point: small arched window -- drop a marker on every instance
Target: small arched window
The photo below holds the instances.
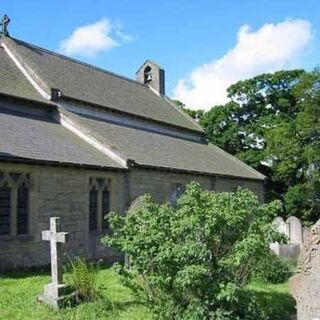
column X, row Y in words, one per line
column 93, row 208
column 5, row 209
column 105, row 208
column 99, row 204
column 23, row 209
column 176, row 194
column 147, row 74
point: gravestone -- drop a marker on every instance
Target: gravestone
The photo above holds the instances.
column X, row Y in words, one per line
column 54, row 292
column 294, row 230
column 291, row 228
column 305, row 285
column 281, row 226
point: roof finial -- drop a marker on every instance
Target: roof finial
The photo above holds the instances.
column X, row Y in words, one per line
column 4, row 23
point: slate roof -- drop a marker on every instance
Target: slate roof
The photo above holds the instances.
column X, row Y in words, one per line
column 42, row 139
column 13, row 82
column 157, row 150
column 90, row 84
column 36, row 138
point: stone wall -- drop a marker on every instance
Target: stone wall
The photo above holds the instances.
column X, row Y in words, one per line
column 231, row 185
column 64, row 192
column 61, row 192
column 161, row 185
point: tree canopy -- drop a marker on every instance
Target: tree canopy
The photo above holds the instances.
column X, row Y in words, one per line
column 272, row 123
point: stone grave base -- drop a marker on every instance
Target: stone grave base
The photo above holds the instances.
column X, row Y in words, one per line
column 57, row 296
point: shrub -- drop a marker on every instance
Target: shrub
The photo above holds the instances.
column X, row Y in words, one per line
column 272, row 269
column 194, row 260
column 82, row 277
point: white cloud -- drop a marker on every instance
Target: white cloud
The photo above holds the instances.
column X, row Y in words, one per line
column 93, row 38
column 270, row 48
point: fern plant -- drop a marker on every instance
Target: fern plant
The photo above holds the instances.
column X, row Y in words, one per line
column 83, row 278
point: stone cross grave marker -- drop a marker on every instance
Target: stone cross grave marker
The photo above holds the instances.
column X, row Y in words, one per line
column 305, row 285
column 54, row 292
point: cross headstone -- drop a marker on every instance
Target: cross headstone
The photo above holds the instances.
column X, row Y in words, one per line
column 54, row 291
column 305, row 285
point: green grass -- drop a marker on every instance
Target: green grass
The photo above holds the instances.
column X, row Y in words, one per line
column 275, row 298
column 19, row 291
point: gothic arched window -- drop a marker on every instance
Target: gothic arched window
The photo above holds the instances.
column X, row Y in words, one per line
column 99, row 204
column 23, row 209
column 176, row 194
column 105, row 207
column 14, row 203
column 147, row 74
column 93, row 208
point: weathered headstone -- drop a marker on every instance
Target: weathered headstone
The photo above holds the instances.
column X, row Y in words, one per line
column 54, row 292
column 281, row 226
column 291, row 228
column 305, row 285
column 294, row 230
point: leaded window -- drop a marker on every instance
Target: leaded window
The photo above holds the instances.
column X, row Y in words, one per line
column 5, row 209
column 93, row 208
column 23, row 209
column 99, row 204
column 14, row 203
column 105, row 207
column 178, row 190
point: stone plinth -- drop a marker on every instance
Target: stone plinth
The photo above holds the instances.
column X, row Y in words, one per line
column 54, row 295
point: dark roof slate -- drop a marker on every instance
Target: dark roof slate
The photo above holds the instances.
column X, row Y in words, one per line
column 93, row 85
column 156, row 150
column 33, row 138
column 13, row 82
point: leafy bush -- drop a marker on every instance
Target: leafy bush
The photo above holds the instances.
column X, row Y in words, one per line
column 82, row 278
column 194, row 261
column 272, row 269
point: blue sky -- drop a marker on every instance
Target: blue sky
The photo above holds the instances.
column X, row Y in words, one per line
column 203, row 45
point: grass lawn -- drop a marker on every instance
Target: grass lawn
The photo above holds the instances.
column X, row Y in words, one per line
column 19, row 291
column 276, row 299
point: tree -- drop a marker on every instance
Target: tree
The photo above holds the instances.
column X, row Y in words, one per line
column 294, row 149
column 193, row 261
column 240, row 127
column 195, row 114
column 256, row 104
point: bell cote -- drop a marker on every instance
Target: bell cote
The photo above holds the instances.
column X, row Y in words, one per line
column 152, row 75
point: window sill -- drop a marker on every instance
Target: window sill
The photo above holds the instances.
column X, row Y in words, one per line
column 17, row 238
column 99, row 233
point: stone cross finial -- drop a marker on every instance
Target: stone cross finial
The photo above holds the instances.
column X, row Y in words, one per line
column 54, row 291
column 4, row 23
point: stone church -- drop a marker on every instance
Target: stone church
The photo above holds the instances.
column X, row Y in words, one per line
column 77, row 142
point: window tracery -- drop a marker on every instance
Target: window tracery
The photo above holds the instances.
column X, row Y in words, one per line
column 99, row 204
column 14, row 203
